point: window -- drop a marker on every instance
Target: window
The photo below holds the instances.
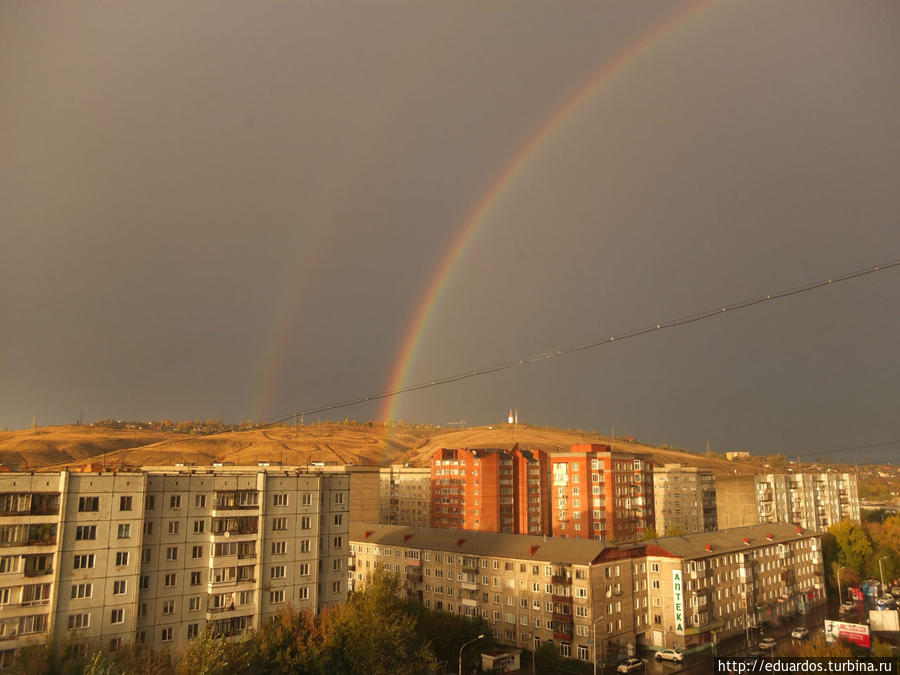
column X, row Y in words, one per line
column 200, row 501
column 151, row 502
column 169, row 580
column 166, row 634
column 307, row 499
column 119, row 587
column 279, row 547
column 117, row 616
column 196, row 552
column 305, row 523
column 124, row 503
column 85, row 532
column 87, row 504
column 175, row 502
column 338, row 519
column 145, row 555
column 337, row 564
column 338, row 542
column 276, row 596
column 144, row 582
column 304, row 546
column 339, row 498
column 78, row 621
column 194, row 604
column 148, row 527
column 303, row 593
column 335, row 586
column 279, row 524
column 277, row 572
column 199, row 526
column 279, row 500
column 173, row 527
column 193, row 630
column 84, row 561
column 196, row 578
column 304, row 569
column 124, row 531
column 172, row 553
column 121, row 558
column 168, row 607
column 82, row 590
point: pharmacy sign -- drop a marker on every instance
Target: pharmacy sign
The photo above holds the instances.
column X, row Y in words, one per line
column 678, row 593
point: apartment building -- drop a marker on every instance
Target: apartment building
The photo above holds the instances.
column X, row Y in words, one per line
column 156, row 555
column 676, row 591
column 404, row 496
column 532, row 589
column 598, row 493
column 814, row 501
column 685, row 499
column 490, row 490
column 707, row 587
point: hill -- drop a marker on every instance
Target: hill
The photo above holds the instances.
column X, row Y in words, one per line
column 369, row 443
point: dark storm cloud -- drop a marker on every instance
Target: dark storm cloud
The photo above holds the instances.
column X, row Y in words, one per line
column 237, row 208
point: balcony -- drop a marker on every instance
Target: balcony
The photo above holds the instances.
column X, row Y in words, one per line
column 565, row 637
column 562, row 599
column 563, row 579
column 565, row 617
column 414, row 577
column 37, row 572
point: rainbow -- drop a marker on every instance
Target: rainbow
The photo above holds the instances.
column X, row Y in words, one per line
column 513, row 168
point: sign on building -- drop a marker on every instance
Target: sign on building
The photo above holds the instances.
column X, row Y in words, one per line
column 678, row 592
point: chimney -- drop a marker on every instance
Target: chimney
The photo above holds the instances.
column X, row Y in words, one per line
column 460, row 542
column 769, row 537
column 747, row 540
column 368, row 533
column 407, row 537
column 532, row 549
column 709, row 547
column 799, row 530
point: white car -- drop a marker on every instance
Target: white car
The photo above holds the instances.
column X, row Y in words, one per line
column 767, row 643
column 630, row 666
column 675, row 655
column 848, row 606
column 800, row 633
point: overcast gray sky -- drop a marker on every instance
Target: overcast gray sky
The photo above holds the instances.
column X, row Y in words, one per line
column 235, row 208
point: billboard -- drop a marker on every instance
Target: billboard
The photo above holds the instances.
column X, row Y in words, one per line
column 851, row 632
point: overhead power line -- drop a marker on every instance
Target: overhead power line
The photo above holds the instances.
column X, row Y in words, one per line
column 599, row 342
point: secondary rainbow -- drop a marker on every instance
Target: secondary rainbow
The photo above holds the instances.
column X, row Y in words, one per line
column 478, row 214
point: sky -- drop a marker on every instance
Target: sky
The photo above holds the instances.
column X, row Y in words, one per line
column 244, row 209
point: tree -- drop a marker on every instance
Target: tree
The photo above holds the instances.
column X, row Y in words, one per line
column 854, row 548
column 649, row 533
column 211, row 654
column 817, row 647
column 376, row 634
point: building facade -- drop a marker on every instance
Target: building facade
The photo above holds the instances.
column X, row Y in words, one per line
column 404, row 496
column 814, row 501
column 597, row 493
column 669, row 592
column 98, row 560
column 490, row 490
column 685, row 499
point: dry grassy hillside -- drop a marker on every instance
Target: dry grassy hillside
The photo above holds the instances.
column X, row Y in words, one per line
column 47, row 446
column 375, row 444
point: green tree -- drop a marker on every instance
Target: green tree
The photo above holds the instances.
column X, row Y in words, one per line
column 211, row 654
column 854, row 548
column 376, row 634
column 649, row 533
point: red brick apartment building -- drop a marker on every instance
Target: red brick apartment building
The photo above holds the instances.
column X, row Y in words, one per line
column 598, row 493
column 490, row 490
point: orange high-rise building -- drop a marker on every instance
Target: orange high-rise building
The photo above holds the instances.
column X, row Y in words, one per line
column 490, row 490
column 599, row 493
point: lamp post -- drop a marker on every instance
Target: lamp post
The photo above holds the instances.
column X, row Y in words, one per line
column 594, row 641
column 466, row 644
column 881, row 572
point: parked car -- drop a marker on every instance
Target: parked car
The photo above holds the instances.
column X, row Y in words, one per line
column 675, row 655
column 800, row 633
column 885, row 602
column 630, row 666
column 848, row 606
column 895, row 591
column 767, row 643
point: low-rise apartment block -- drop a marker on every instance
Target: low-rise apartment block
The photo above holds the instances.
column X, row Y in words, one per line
column 670, row 592
column 685, row 499
column 98, row 560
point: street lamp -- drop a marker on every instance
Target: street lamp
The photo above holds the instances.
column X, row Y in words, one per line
column 594, row 641
column 466, row 644
column 881, row 572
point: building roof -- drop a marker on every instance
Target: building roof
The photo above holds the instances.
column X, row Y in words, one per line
column 693, row 546
column 467, row 542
